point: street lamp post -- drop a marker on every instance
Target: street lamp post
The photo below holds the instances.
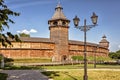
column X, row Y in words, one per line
column 95, row 51
column 85, row 28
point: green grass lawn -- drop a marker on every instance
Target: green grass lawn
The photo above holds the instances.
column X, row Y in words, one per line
column 75, row 72
column 78, row 75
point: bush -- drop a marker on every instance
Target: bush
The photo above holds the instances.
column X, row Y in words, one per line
column 91, row 58
column 3, row 76
column 115, row 55
column 6, row 62
column 32, row 60
column 22, row 67
column 77, row 58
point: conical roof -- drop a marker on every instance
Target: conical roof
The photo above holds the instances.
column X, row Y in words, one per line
column 104, row 39
column 58, row 13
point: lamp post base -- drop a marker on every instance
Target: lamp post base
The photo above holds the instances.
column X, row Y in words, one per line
column 95, row 66
column 85, row 77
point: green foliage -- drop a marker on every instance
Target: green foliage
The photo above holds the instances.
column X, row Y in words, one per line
column 63, row 67
column 8, row 60
column 1, row 56
column 77, row 57
column 91, row 58
column 118, row 54
column 115, row 55
column 98, row 58
column 32, row 60
column 5, row 12
column 5, row 39
column 3, row 76
column 24, row 35
column 22, row 68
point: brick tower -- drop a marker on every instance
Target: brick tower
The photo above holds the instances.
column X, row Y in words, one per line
column 58, row 26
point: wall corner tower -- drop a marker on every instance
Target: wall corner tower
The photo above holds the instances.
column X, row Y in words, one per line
column 58, row 26
column 104, row 42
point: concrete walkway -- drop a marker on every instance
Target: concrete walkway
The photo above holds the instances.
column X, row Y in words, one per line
column 24, row 75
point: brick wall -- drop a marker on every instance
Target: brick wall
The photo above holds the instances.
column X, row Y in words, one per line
column 79, row 50
column 48, row 50
column 28, row 50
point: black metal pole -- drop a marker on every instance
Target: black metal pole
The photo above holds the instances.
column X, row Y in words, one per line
column 85, row 54
column 95, row 58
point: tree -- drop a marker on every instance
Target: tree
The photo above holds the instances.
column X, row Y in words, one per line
column 115, row 55
column 118, row 54
column 5, row 12
column 24, row 35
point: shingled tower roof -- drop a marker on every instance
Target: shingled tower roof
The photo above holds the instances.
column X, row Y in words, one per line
column 104, row 39
column 58, row 13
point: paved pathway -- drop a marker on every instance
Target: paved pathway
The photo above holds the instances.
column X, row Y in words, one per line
column 24, row 75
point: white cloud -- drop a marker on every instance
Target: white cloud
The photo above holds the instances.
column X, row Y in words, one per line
column 119, row 46
column 18, row 31
column 33, row 31
column 27, row 31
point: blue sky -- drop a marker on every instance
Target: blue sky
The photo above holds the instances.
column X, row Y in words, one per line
column 36, row 13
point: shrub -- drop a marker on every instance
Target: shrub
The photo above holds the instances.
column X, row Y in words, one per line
column 3, row 76
column 6, row 62
column 77, row 57
column 91, row 58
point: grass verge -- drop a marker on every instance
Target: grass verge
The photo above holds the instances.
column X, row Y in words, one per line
column 3, row 76
column 81, row 66
column 32, row 60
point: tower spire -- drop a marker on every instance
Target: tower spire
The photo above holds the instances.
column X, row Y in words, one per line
column 58, row 1
column 58, row 14
column 104, row 42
